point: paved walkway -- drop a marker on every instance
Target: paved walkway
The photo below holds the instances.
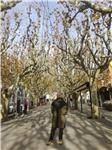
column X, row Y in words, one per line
column 32, row 132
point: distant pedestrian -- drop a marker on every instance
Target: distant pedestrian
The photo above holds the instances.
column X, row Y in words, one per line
column 59, row 110
column 71, row 102
column 25, row 106
column 31, row 104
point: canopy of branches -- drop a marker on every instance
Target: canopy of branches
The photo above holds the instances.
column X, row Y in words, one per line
column 54, row 45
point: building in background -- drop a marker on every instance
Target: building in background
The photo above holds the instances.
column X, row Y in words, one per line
column 104, row 84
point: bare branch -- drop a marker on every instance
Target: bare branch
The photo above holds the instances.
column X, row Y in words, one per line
column 9, row 4
column 96, row 7
column 106, row 44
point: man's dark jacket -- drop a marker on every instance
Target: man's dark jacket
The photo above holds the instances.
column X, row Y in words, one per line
column 59, row 110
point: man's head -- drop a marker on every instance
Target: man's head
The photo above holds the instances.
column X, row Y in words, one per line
column 59, row 95
column 54, row 96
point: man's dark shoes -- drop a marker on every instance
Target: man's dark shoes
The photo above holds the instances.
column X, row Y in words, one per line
column 60, row 142
column 51, row 142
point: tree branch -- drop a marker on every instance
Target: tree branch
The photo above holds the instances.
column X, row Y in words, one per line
column 96, row 7
column 88, row 4
column 9, row 4
column 106, row 44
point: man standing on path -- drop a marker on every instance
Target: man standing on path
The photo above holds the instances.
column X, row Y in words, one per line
column 59, row 110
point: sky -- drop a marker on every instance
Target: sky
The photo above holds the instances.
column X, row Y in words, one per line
column 23, row 7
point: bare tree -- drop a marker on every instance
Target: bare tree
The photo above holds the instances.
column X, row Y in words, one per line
column 28, row 54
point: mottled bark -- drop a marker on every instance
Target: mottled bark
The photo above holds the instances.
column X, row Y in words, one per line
column 4, row 110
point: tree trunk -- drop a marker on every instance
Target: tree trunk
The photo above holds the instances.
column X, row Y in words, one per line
column 4, row 110
column 95, row 101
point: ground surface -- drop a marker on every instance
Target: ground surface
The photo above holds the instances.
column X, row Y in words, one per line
column 32, row 132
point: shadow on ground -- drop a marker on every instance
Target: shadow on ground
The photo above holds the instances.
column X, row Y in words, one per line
column 32, row 132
